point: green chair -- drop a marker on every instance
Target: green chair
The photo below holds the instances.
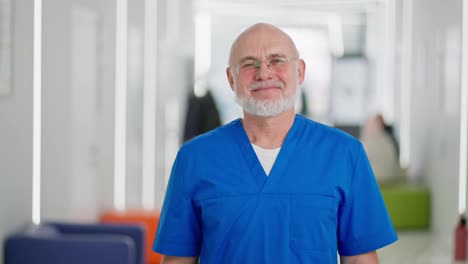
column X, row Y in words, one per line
column 408, row 205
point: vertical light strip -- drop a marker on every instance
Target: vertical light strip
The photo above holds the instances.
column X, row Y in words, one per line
column 120, row 130
column 388, row 73
column 202, row 51
column 149, row 105
column 37, row 115
column 463, row 115
column 406, row 81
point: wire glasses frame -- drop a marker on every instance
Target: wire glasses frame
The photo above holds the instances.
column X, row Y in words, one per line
column 252, row 66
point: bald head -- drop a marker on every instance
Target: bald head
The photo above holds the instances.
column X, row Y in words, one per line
column 262, row 38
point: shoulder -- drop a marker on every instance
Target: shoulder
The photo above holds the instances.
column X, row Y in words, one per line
column 327, row 135
column 210, row 140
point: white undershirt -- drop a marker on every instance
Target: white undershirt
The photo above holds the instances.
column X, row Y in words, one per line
column 267, row 157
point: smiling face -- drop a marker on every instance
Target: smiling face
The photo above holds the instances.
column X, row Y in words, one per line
column 265, row 71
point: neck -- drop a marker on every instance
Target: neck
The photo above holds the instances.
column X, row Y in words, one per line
column 268, row 132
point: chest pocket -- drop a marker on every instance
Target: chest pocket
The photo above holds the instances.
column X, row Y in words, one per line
column 313, row 223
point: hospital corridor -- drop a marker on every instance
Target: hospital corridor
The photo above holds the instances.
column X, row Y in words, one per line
column 97, row 97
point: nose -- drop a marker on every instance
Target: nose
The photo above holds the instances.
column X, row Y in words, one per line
column 264, row 72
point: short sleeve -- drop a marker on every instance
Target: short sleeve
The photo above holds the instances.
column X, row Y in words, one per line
column 178, row 232
column 364, row 223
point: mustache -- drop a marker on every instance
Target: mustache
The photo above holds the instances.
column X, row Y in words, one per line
column 266, row 84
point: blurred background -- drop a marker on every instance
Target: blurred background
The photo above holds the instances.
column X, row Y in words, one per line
column 96, row 97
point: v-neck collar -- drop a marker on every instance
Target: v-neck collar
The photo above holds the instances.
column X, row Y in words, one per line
column 253, row 163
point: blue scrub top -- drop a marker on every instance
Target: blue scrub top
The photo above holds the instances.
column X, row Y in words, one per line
column 320, row 197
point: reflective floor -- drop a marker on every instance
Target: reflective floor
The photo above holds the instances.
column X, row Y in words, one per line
column 418, row 247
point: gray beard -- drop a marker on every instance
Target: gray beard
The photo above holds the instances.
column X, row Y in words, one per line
column 267, row 108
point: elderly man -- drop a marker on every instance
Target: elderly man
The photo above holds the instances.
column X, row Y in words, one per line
column 273, row 187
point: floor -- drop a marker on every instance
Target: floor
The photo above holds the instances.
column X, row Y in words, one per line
column 419, row 247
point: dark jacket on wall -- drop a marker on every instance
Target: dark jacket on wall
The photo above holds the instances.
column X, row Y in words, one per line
column 202, row 115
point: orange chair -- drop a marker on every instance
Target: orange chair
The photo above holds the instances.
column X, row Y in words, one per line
column 148, row 219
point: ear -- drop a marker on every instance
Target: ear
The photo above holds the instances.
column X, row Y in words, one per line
column 230, row 78
column 301, row 70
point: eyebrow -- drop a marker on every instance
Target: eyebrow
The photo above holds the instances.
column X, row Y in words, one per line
column 248, row 58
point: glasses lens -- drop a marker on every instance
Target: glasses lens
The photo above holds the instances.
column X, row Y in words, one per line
column 250, row 67
column 277, row 64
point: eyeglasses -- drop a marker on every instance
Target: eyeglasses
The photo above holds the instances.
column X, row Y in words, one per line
column 252, row 66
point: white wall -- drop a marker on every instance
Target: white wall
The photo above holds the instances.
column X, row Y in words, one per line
column 104, row 151
column 78, row 108
column 80, row 170
column 380, row 53
column 134, row 102
column 16, row 128
column 76, row 73
column 175, row 79
column 435, row 90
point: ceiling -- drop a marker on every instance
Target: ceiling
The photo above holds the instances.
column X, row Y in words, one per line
column 292, row 12
column 288, row 6
column 299, row 13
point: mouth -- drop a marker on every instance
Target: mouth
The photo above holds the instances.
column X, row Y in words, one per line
column 264, row 86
